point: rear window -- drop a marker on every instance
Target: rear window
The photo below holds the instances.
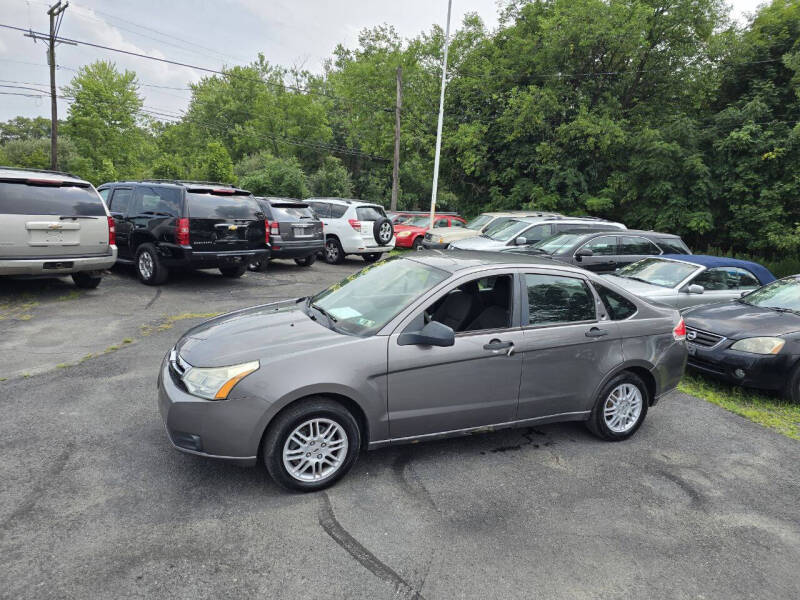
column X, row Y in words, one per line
column 215, row 206
column 65, row 201
column 673, row 246
column 290, row 212
column 370, row 213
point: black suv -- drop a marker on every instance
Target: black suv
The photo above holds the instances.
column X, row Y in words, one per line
column 605, row 251
column 163, row 225
column 294, row 231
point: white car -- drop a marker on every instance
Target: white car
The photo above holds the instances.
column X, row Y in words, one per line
column 353, row 227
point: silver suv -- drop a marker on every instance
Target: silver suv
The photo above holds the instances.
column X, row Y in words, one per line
column 53, row 224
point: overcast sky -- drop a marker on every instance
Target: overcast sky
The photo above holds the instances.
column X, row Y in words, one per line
column 209, row 33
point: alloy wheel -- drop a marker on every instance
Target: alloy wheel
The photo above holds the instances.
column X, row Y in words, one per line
column 315, row 450
column 385, row 233
column 622, row 408
column 332, row 251
column 146, row 265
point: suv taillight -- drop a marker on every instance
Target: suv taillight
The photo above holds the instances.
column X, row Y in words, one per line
column 266, row 231
column 274, row 228
column 182, row 232
column 112, row 232
column 679, row 333
column 355, row 224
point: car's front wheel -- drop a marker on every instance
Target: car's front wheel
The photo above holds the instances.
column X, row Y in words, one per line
column 791, row 390
column 233, row 272
column 311, row 445
column 87, row 280
column 417, row 243
column 306, row 261
column 620, row 409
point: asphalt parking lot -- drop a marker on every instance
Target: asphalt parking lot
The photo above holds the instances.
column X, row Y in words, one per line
column 95, row 503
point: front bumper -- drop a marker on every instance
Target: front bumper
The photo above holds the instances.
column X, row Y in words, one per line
column 55, row 266
column 296, row 249
column 766, row 372
column 431, row 245
column 407, row 241
column 220, row 429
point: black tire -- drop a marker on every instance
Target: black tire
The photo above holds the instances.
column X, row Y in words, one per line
column 597, row 422
column 158, row 273
column 333, row 253
column 383, row 231
column 791, row 390
column 417, row 243
column 294, row 416
column 233, row 272
column 88, row 280
column 306, row 261
column 372, row 257
column 259, row 265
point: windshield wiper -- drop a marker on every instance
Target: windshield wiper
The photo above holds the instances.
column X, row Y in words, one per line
column 780, row 309
column 635, row 278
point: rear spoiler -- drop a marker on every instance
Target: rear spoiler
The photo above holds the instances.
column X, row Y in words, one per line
column 44, row 182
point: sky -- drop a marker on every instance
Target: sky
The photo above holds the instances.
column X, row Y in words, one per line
column 208, row 33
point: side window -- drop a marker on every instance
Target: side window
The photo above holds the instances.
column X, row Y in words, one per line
column 321, row 209
column 747, row 279
column 726, row 278
column 630, row 245
column 155, row 201
column 476, row 305
column 443, row 222
column 618, row 306
column 456, row 223
column 554, row 299
column 121, row 200
column 538, row 233
column 603, row 246
column 104, row 194
column 338, row 210
column 673, row 246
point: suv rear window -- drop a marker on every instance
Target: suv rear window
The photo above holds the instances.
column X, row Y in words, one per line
column 217, row 206
column 66, row 201
column 290, row 212
column 370, row 213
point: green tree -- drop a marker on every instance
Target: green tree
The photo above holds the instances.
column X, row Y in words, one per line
column 216, row 164
column 331, row 180
column 267, row 175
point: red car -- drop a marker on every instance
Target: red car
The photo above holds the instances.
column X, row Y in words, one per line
column 409, row 234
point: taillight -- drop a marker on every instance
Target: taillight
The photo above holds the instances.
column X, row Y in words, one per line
column 266, row 231
column 274, row 228
column 679, row 333
column 355, row 224
column 182, row 233
column 112, row 232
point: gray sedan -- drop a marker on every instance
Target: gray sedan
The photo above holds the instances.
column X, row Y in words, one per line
column 684, row 281
column 434, row 345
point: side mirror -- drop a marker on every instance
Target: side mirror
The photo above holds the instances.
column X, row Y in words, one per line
column 583, row 252
column 433, row 334
column 744, row 293
column 521, row 241
column 695, row 289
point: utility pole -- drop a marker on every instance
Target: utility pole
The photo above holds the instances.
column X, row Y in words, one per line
column 441, row 115
column 396, row 170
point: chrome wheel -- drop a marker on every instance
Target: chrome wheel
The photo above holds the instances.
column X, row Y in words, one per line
column 146, row 265
column 315, row 450
column 622, row 408
column 332, row 251
column 385, row 232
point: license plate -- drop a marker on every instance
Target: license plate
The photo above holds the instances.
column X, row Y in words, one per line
column 303, row 232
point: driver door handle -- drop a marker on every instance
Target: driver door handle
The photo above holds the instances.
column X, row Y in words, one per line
column 596, row 332
column 498, row 345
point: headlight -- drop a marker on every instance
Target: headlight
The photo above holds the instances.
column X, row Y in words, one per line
column 217, row 382
column 760, row 345
column 404, row 234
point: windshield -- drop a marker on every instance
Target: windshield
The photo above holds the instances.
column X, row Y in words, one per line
column 656, row 271
column 562, row 241
column 478, row 222
column 784, row 293
column 509, row 230
column 365, row 301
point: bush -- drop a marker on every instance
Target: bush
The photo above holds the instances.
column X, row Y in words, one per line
column 267, row 175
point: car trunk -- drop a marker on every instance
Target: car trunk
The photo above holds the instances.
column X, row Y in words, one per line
column 43, row 218
column 224, row 220
column 296, row 222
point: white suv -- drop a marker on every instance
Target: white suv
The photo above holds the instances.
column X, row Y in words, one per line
column 54, row 224
column 353, row 227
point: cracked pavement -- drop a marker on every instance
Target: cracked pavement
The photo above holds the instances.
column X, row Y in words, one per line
column 95, row 503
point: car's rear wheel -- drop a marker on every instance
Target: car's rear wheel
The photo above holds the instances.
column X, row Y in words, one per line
column 620, row 409
column 306, row 261
column 233, row 272
column 260, row 265
column 333, row 254
column 149, row 267
column 417, row 243
column 371, row 257
column 87, row 280
column 791, row 390
column 311, row 445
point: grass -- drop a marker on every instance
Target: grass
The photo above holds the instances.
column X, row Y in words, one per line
column 765, row 409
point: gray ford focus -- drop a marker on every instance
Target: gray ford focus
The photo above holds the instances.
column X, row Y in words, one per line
column 435, row 345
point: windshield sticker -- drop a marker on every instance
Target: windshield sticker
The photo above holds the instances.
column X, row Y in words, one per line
column 344, row 312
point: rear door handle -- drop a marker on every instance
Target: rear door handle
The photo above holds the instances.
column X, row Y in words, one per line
column 596, row 332
column 497, row 345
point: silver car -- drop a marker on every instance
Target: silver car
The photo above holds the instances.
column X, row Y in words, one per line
column 433, row 345
column 683, row 281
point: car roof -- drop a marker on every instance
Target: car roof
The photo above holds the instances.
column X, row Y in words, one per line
column 458, row 260
column 569, row 220
column 761, row 272
column 616, row 231
column 178, row 183
column 21, row 174
column 522, row 213
column 345, row 201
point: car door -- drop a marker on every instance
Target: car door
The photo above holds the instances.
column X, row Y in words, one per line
column 118, row 205
column 633, row 248
column 603, row 258
column 473, row 383
column 568, row 345
column 719, row 284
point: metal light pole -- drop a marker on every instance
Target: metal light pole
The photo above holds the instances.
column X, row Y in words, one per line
column 441, row 115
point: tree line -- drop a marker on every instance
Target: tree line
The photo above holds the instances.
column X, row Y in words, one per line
column 664, row 114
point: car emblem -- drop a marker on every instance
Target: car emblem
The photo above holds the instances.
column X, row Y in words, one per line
column 55, row 226
column 691, row 335
column 232, row 227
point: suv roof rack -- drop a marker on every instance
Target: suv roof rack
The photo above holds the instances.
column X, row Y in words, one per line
column 4, row 168
column 186, row 181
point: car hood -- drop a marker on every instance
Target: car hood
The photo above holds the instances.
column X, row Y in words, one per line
column 736, row 320
column 258, row 333
column 639, row 288
column 478, row 243
column 410, row 228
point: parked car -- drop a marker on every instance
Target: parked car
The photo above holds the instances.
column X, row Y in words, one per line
column 410, row 233
column 54, row 224
column 605, row 251
column 414, row 348
column 529, row 230
column 294, row 232
column 751, row 341
column 168, row 225
column 401, row 216
column 353, row 227
column 684, row 281
column 483, row 223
